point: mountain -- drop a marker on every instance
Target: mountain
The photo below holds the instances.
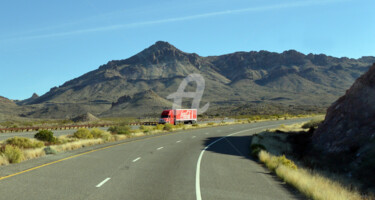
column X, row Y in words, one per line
column 231, row 80
column 348, row 131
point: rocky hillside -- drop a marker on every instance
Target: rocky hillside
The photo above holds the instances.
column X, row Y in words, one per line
column 347, row 135
column 350, row 121
column 237, row 79
column 8, row 109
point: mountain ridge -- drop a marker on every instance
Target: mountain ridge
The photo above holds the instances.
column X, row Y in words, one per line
column 291, row 77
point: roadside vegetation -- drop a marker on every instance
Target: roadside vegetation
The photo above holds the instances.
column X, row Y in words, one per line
column 275, row 149
column 18, row 149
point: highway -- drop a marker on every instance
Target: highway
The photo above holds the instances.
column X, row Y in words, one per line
column 207, row 163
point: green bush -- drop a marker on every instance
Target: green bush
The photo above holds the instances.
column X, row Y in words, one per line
column 125, row 130
column 23, row 142
column 168, row 127
column 97, row 133
column 49, row 150
column 83, row 133
column 159, row 127
column 286, row 162
column 210, row 123
column 195, row 125
column 45, row 135
column 146, row 131
column 142, row 127
column 13, row 154
column 256, row 148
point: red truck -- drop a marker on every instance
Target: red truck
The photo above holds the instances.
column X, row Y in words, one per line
column 179, row 116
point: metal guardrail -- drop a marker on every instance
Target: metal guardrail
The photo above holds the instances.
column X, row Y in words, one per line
column 27, row 129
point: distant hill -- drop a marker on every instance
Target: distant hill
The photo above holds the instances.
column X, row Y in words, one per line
column 8, row 109
column 232, row 80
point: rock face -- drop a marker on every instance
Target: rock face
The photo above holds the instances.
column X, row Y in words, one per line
column 137, row 103
column 349, row 125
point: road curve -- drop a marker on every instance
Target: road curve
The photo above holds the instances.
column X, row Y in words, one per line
column 207, row 163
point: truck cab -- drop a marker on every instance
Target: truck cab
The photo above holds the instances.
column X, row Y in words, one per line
column 167, row 117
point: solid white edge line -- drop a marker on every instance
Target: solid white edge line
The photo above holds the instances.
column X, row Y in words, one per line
column 197, row 174
column 102, row 183
column 135, row 160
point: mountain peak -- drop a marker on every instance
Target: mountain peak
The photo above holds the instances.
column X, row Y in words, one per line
column 35, row 95
column 163, row 44
column 157, row 52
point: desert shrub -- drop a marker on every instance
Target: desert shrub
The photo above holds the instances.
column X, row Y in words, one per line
column 286, row 162
column 83, row 133
column 195, row 125
column 273, row 162
column 282, row 126
column 314, row 123
column 146, row 131
column 97, row 133
column 180, row 125
column 256, row 148
column 210, row 123
column 122, row 130
column 13, row 154
column 168, row 127
column 49, row 150
column 159, row 127
column 45, row 135
column 3, row 159
column 23, row 142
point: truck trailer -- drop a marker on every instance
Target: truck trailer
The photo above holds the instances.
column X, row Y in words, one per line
column 178, row 116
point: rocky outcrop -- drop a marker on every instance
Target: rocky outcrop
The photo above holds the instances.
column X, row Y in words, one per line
column 29, row 100
column 87, row 117
column 350, row 121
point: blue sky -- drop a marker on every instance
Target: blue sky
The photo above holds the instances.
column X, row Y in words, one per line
column 45, row 43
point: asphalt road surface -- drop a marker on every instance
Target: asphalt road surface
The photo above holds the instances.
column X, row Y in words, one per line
column 208, row 163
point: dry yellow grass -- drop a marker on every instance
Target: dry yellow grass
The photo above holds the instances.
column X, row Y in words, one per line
column 310, row 184
column 33, row 153
column 3, row 160
column 119, row 137
column 289, row 128
column 76, row 144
